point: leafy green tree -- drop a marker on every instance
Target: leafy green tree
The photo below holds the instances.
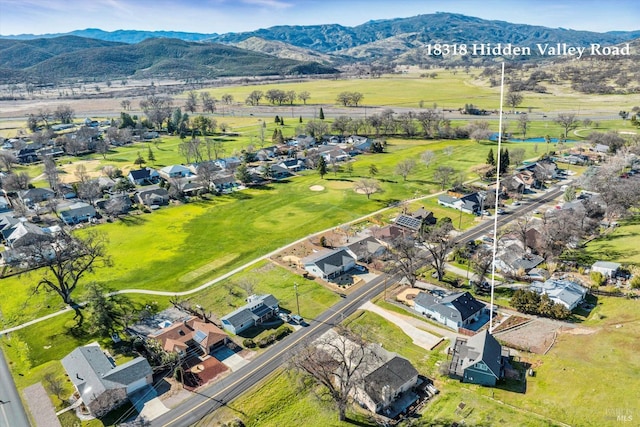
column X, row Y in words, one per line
column 242, row 174
column 322, row 167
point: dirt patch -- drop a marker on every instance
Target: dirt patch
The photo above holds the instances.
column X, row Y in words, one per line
column 316, row 188
column 407, row 296
column 361, row 191
column 579, row 331
column 535, row 336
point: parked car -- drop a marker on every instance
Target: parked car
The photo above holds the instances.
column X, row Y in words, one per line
column 360, row 268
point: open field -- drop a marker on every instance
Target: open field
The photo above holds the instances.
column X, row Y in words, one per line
column 619, row 246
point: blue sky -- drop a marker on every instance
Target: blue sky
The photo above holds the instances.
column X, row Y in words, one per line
column 221, row 16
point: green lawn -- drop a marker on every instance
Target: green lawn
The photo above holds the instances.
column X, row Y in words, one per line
column 620, row 246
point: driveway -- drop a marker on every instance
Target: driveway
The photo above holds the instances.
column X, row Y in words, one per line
column 420, row 338
column 148, row 404
column 229, row 358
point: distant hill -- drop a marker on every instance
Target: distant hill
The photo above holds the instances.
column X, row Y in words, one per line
column 123, row 36
column 433, row 28
column 400, row 40
column 75, row 57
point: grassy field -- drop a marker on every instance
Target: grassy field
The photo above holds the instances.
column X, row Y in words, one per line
column 619, row 246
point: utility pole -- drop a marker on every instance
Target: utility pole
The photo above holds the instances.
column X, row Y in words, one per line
column 295, row 286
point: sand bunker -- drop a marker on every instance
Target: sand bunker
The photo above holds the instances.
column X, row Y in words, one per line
column 316, row 188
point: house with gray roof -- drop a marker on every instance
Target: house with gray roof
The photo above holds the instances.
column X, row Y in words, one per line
column 174, row 171
column 564, row 292
column 36, row 195
column 329, row 264
column 366, row 249
column 101, row 384
column 513, row 258
column 77, row 213
column 479, row 359
column 153, row 196
column 607, row 268
column 143, row 176
column 258, row 309
column 457, row 310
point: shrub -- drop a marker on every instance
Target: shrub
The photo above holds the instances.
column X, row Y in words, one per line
column 597, row 278
column 283, row 331
column 635, row 282
column 248, row 343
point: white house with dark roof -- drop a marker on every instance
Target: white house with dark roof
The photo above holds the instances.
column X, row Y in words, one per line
column 329, row 264
column 102, row 385
column 258, row 309
column 457, row 310
column 143, row 176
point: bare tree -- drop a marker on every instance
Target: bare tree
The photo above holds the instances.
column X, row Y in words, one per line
column 523, row 124
column 513, row 99
column 367, row 186
column 405, row 258
column 443, row 175
column 63, row 260
column 157, row 109
column 521, row 227
column 481, row 263
column 208, row 102
column 304, row 96
column 51, row 172
column 16, row 181
column 405, row 167
column 191, row 103
column 7, row 160
column 427, row 157
column 335, row 362
column 439, row 243
column 567, row 121
column 64, row 113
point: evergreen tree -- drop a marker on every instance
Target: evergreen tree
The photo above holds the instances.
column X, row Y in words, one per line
column 300, row 119
column 150, row 156
column 321, row 116
column 274, row 138
column 139, row 161
column 491, row 160
column 281, row 121
column 504, row 160
column 322, row 167
column 277, row 119
column 373, row 170
column 279, row 137
column 242, row 174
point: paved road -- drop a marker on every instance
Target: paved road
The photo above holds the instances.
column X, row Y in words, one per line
column 12, row 413
column 191, row 411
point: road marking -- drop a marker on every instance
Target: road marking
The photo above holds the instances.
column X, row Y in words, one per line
column 278, row 354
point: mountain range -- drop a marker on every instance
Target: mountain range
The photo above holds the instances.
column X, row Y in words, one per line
column 276, row 50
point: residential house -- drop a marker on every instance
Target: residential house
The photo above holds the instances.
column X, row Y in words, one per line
column 425, row 216
column 258, row 309
column 365, row 249
column 513, row 259
column 333, row 154
column 36, row 195
column 565, row 292
column 228, row 163
column 408, row 222
column 607, row 268
column 388, row 233
column 143, row 176
column 479, row 359
column 224, row 183
column 101, row 384
column 174, row 171
column 153, row 196
column 116, row 204
column 329, row 264
column 106, row 184
column 385, row 384
column 267, row 153
column 457, row 310
column 293, row 165
column 77, row 213
column 4, row 204
column 190, row 336
column 28, row 154
column 279, row 172
column 22, row 234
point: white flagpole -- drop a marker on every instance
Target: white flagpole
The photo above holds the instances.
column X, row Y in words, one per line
column 495, row 216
